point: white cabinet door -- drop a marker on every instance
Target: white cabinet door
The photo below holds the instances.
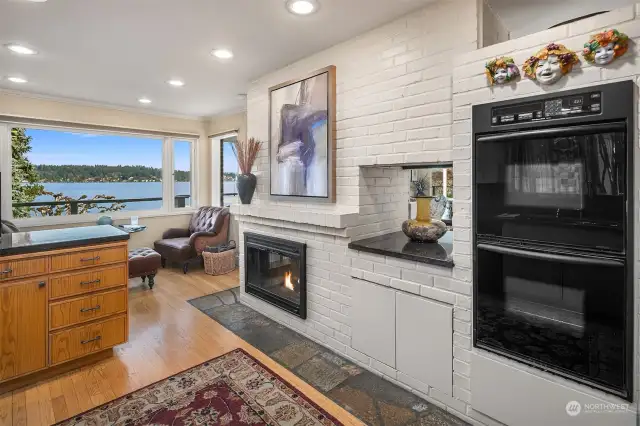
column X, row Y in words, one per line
column 374, row 321
column 424, row 341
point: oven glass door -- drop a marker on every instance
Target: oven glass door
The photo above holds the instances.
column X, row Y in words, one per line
column 555, row 186
column 562, row 312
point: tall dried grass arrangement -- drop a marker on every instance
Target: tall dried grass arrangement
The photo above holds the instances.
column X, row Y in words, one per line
column 246, row 153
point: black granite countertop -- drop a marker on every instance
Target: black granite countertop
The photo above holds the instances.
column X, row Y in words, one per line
column 53, row 239
column 398, row 245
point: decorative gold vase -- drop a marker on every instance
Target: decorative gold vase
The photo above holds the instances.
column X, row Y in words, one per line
column 424, row 229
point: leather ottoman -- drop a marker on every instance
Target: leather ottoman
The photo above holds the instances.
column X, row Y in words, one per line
column 144, row 263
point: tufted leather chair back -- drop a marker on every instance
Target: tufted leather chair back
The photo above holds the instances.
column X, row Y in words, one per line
column 7, row 227
column 208, row 219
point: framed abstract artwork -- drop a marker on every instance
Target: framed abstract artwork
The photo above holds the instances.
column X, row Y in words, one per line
column 302, row 142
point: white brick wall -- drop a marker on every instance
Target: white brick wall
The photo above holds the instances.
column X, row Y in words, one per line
column 398, row 105
column 394, row 90
column 470, row 87
column 394, row 106
column 405, row 95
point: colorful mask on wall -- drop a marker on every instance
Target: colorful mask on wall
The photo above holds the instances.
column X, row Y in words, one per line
column 605, row 47
column 501, row 70
column 550, row 64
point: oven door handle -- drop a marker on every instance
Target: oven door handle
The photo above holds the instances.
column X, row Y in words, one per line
column 577, row 260
column 555, row 132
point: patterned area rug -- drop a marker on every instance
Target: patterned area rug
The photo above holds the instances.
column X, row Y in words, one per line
column 233, row 389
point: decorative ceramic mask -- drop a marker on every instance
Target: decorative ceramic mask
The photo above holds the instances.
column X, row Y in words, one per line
column 501, row 70
column 550, row 64
column 605, row 47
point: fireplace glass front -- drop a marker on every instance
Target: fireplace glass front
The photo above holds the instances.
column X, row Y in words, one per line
column 275, row 272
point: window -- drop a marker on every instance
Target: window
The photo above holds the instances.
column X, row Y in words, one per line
column 436, row 182
column 229, row 167
column 182, row 165
column 66, row 172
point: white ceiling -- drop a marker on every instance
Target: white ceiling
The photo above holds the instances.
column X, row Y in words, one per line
column 524, row 17
column 116, row 51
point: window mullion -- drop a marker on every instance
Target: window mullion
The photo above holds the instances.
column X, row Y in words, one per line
column 216, row 177
column 167, row 175
column 6, row 167
column 193, row 174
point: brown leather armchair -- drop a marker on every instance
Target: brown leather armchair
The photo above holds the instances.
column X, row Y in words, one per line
column 209, row 226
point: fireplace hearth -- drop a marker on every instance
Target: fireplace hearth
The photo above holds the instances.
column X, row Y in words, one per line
column 275, row 271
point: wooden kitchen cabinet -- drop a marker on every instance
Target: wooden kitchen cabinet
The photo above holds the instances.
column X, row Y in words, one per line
column 60, row 307
column 23, row 327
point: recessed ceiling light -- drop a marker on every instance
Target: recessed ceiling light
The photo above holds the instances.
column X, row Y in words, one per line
column 222, row 54
column 20, row 49
column 144, row 100
column 176, row 83
column 18, row 80
column 302, row 7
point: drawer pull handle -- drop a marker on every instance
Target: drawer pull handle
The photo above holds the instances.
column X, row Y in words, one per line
column 6, row 271
column 95, row 339
column 42, row 284
column 89, row 259
column 95, row 308
column 90, row 282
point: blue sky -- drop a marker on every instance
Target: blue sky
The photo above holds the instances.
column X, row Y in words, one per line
column 58, row 148
column 67, row 148
column 229, row 162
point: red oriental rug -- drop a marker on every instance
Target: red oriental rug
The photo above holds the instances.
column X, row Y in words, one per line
column 233, row 389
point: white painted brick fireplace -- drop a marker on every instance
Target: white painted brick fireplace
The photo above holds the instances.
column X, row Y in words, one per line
column 404, row 95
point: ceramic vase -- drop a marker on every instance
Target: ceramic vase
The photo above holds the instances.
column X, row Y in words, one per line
column 246, row 187
column 105, row 220
column 424, row 229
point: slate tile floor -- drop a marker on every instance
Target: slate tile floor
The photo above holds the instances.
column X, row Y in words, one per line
column 370, row 398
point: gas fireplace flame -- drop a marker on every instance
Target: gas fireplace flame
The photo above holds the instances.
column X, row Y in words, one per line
column 287, row 281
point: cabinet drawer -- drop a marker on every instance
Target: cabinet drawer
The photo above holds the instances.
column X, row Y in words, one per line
column 87, row 308
column 82, row 259
column 88, row 281
column 84, row 340
column 22, row 268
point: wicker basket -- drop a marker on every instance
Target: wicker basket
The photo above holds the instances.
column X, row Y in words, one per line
column 219, row 263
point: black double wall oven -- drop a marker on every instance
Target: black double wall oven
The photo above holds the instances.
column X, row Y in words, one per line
column 553, row 233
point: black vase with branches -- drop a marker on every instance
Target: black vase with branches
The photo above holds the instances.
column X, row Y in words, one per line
column 246, row 153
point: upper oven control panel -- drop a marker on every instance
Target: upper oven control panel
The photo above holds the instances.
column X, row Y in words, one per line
column 548, row 109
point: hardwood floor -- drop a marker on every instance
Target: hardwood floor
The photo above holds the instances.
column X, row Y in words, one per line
column 167, row 336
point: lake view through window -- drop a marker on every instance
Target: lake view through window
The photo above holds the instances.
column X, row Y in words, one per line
column 59, row 173
column 230, row 172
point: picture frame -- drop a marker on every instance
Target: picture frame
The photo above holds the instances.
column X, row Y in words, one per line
column 302, row 138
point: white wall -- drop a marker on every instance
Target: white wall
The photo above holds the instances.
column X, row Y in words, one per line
column 524, row 17
column 394, row 106
column 470, row 87
column 22, row 105
column 493, row 28
column 405, row 95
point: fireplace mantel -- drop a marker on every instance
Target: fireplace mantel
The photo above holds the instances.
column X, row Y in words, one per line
column 330, row 218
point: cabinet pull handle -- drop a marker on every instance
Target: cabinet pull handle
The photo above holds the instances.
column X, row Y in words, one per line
column 42, row 284
column 89, row 259
column 90, row 282
column 95, row 339
column 6, row 271
column 95, row 308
